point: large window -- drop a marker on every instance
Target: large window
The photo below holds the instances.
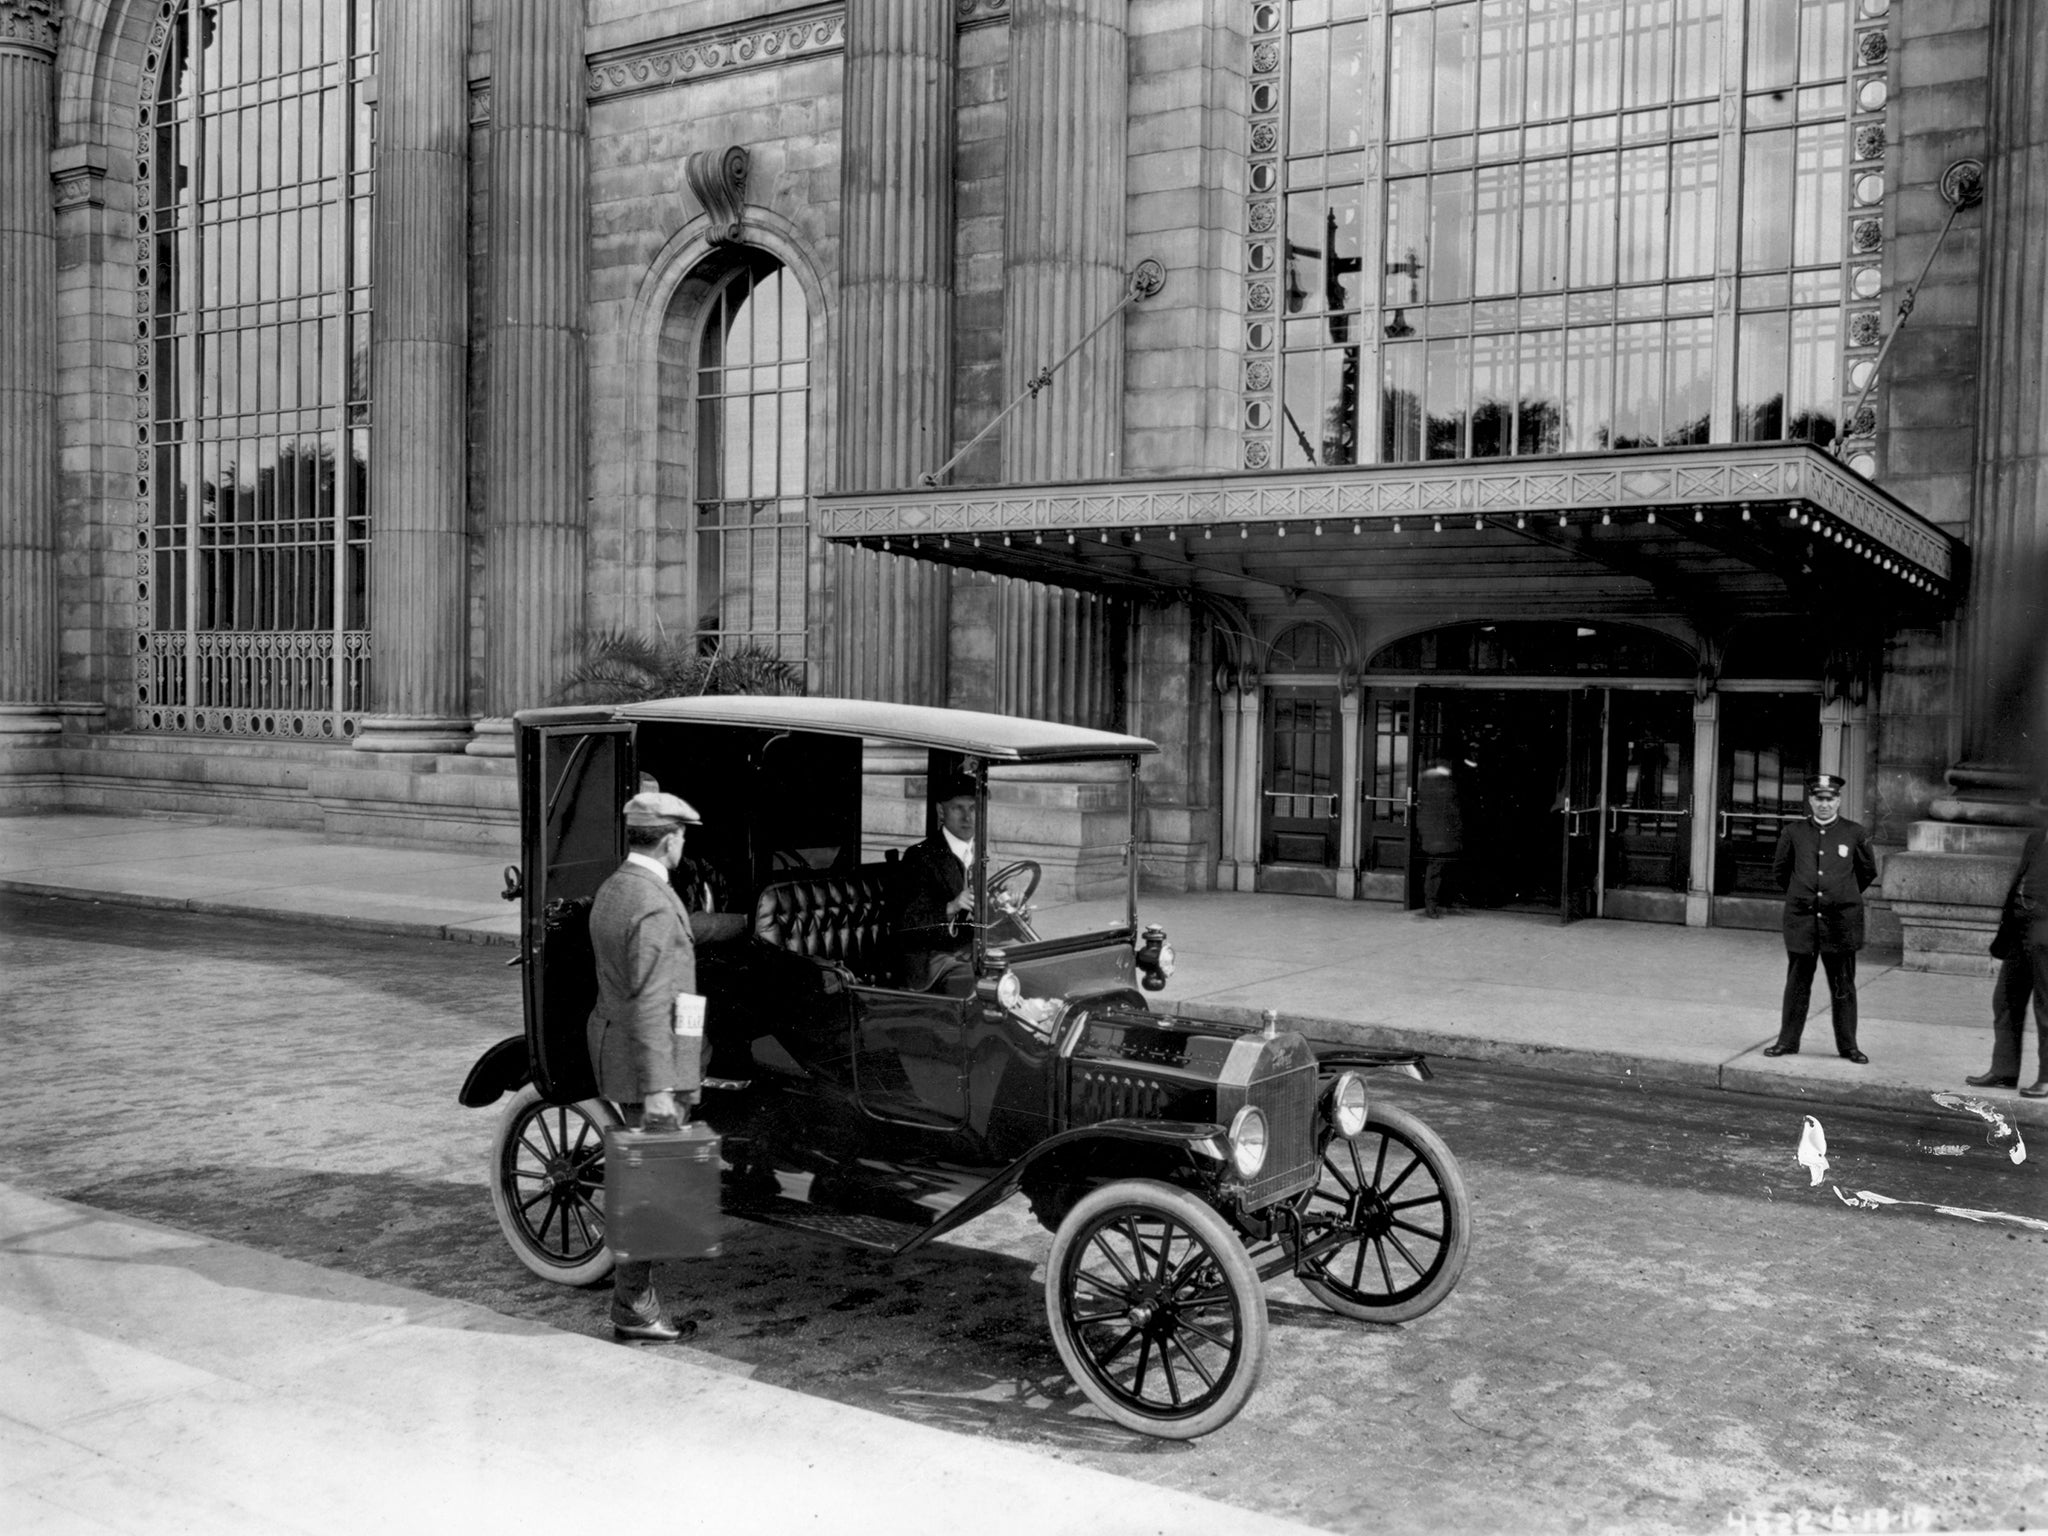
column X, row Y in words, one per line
column 1494, row 226
column 753, row 392
column 253, row 227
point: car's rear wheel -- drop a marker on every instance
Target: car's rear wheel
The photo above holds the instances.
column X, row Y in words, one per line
column 1396, row 1196
column 1156, row 1309
column 547, row 1185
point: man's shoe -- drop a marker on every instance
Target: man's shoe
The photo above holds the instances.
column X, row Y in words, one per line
column 1781, row 1050
column 1993, row 1080
column 659, row 1331
column 1858, row 1057
column 2035, row 1090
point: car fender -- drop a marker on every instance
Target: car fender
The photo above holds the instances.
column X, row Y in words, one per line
column 502, row 1069
column 1200, row 1142
column 1340, row 1058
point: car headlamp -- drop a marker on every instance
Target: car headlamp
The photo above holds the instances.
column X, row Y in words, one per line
column 1038, row 1013
column 1155, row 958
column 1009, row 991
column 1248, row 1141
column 1346, row 1104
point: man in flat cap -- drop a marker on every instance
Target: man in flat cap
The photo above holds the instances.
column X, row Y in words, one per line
column 1824, row 863
column 935, row 907
column 646, row 1063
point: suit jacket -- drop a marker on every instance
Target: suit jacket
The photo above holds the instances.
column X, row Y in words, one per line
column 1824, row 871
column 2023, row 917
column 926, row 881
column 640, row 936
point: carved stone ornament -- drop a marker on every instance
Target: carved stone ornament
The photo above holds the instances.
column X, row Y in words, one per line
column 30, row 24
column 718, row 180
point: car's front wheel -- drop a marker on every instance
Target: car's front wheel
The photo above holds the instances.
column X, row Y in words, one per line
column 1156, row 1309
column 547, row 1185
column 1395, row 1203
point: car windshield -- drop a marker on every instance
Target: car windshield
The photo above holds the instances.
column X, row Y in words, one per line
column 1070, row 825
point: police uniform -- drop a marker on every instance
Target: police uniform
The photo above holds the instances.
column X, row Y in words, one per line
column 1824, row 869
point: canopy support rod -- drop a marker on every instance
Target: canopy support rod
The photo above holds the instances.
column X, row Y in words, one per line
column 1145, row 279
column 1962, row 184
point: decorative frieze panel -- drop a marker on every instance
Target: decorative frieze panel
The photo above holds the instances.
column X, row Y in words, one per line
column 1780, row 480
column 649, row 67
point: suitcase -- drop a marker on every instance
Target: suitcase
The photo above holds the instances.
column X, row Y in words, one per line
column 661, row 1193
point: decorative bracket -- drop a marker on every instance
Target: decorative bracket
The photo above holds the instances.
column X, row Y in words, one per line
column 30, row 26
column 718, row 180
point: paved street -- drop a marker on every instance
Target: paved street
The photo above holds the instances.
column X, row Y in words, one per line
column 1663, row 1323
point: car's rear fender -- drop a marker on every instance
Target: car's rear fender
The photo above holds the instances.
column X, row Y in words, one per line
column 1347, row 1058
column 1110, row 1149
column 503, row 1069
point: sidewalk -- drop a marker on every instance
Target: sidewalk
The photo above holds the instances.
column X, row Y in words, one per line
column 158, row 1382
column 1633, row 1001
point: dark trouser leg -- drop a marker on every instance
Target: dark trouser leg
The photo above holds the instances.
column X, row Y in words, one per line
column 1433, row 883
column 2039, row 957
column 633, row 1297
column 1841, row 969
column 2009, row 997
column 1798, row 994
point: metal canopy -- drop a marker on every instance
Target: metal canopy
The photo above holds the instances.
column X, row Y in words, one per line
column 1730, row 530
column 999, row 738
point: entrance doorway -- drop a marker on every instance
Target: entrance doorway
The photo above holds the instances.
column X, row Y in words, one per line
column 1507, row 748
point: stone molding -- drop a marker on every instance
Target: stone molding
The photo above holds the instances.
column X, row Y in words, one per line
column 684, row 57
column 30, row 26
column 1768, row 478
column 693, row 56
column 79, row 173
column 718, row 180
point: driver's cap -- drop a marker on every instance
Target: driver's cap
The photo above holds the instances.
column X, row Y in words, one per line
column 652, row 809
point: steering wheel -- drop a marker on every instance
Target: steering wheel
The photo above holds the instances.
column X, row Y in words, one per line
column 1003, row 876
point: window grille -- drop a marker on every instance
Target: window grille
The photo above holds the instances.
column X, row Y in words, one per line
column 257, row 134
column 1484, row 227
column 753, row 395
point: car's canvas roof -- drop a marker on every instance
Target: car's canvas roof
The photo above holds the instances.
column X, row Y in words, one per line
column 1000, row 738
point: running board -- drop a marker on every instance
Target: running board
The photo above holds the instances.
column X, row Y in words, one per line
column 846, row 1227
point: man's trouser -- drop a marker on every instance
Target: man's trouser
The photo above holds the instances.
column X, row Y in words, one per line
column 1841, row 969
column 2023, row 977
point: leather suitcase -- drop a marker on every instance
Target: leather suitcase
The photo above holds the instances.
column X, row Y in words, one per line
column 661, row 1193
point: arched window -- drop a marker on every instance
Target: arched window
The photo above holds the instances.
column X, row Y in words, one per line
column 253, row 237
column 1304, row 648
column 753, row 459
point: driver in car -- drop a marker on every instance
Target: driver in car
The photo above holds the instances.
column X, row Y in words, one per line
column 935, row 906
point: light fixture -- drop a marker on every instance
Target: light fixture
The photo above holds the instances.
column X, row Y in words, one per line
column 1478, row 522
column 1172, row 534
column 885, row 541
column 1102, row 536
column 1745, row 511
column 1006, row 541
column 1397, row 525
column 945, row 541
column 1438, row 523
column 1244, row 530
column 1653, row 514
column 1698, row 516
column 977, row 541
column 1606, row 519
column 1208, row 532
column 1283, row 530
column 1357, row 526
column 1070, row 538
column 1137, row 535
column 1564, row 519
column 1038, row 536
column 1319, row 530
column 1521, row 520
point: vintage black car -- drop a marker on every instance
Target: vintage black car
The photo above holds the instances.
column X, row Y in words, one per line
column 1179, row 1163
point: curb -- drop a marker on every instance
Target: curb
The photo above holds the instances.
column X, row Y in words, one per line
column 1548, row 1060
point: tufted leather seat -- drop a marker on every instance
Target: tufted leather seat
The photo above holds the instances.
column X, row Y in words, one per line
column 840, row 918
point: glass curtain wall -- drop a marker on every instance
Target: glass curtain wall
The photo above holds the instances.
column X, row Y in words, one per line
column 753, row 394
column 257, row 140
column 1503, row 220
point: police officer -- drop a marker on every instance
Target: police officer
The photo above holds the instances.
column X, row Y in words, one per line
column 646, row 1064
column 1824, row 863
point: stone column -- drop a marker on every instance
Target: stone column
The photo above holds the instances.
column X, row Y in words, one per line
column 1706, row 752
column 896, row 328
column 419, row 339
column 1251, row 802
column 1352, row 758
column 1229, row 720
column 1063, row 236
column 535, row 518
column 2005, row 626
column 1947, row 885
column 28, row 371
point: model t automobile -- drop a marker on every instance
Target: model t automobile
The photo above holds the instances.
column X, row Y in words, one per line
column 1179, row 1163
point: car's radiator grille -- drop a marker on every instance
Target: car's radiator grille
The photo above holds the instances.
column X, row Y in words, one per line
column 1289, row 1101
column 1100, row 1095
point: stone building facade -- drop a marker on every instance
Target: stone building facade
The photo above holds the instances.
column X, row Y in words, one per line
column 1638, row 401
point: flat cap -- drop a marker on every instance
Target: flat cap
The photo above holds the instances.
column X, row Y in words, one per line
column 655, row 809
column 1827, row 781
column 952, row 786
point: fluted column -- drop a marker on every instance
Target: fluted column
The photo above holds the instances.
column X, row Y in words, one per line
column 534, row 512
column 1063, row 236
column 2006, row 622
column 28, row 380
column 896, row 321
column 419, row 339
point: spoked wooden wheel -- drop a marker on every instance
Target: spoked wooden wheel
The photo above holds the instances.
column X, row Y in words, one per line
column 1395, row 1193
column 547, row 1185
column 1156, row 1309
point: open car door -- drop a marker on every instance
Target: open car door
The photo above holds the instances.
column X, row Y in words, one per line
column 575, row 778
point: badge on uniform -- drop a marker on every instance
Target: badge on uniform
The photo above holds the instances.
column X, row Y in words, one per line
column 1841, row 850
